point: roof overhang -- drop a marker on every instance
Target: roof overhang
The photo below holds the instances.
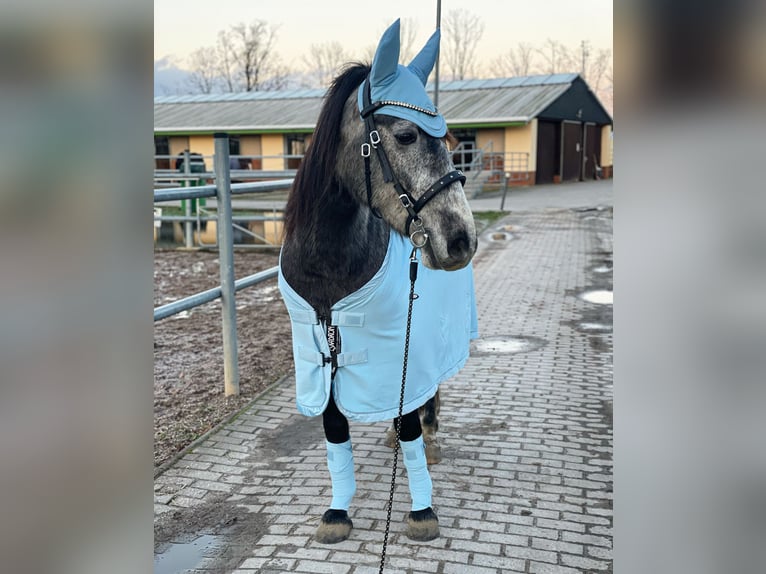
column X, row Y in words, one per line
column 487, row 122
column 204, row 130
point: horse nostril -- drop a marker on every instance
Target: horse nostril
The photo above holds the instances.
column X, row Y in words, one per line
column 459, row 245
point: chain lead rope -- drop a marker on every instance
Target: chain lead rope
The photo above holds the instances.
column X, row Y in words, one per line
column 398, row 422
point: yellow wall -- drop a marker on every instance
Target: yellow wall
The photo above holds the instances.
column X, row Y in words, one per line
column 607, row 157
column 178, row 144
column 523, row 139
column 204, row 145
column 271, row 231
column 497, row 137
column 250, row 145
column 273, row 144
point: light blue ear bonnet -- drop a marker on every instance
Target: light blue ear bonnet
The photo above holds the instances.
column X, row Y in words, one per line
column 401, row 89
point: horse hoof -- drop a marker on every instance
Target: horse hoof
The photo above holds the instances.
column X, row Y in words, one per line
column 433, row 453
column 422, row 525
column 334, row 527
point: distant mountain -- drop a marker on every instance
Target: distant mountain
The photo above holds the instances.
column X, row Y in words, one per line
column 169, row 79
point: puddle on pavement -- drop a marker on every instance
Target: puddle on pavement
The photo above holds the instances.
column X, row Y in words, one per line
column 594, row 327
column 185, row 556
column 599, row 296
column 506, row 345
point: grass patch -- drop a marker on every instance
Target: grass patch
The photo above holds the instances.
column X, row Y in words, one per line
column 483, row 219
column 487, row 217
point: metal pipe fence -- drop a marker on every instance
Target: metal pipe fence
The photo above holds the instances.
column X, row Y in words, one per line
column 223, row 190
column 174, row 194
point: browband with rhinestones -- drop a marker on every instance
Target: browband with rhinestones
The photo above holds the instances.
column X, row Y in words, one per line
column 406, row 105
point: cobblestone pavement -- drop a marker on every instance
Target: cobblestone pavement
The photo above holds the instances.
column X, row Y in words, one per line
column 526, row 432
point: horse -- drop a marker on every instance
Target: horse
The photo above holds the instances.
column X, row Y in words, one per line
column 349, row 224
column 429, row 422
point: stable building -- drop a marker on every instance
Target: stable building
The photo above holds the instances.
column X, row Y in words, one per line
column 524, row 130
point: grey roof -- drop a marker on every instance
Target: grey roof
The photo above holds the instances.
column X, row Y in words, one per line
column 496, row 100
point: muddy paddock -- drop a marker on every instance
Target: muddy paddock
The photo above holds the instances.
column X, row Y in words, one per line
column 188, row 349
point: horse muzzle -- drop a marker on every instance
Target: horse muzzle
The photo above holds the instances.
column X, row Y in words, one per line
column 452, row 250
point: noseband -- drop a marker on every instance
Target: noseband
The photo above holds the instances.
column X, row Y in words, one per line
column 418, row 237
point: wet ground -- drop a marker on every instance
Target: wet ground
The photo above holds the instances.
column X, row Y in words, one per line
column 188, row 358
column 525, row 485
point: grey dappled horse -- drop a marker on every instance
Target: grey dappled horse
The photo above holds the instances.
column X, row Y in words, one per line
column 338, row 220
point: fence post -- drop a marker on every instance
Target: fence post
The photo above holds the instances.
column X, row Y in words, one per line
column 188, row 235
column 506, row 177
column 226, row 257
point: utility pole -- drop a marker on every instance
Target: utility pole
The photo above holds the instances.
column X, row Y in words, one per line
column 436, row 78
column 584, row 48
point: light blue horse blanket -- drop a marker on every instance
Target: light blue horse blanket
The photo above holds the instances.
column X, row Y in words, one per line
column 372, row 323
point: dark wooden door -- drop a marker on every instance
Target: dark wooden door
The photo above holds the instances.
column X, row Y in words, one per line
column 548, row 135
column 572, row 152
column 592, row 151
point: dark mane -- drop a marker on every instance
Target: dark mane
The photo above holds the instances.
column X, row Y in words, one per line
column 315, row 178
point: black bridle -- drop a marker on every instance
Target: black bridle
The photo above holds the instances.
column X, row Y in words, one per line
column 418, row 237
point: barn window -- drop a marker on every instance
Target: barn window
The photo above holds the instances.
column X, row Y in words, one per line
column 162, row 148
column 462, row 156
column 295, row 147
column 234, row 147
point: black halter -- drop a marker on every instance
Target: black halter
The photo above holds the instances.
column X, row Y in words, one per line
column 413, row 206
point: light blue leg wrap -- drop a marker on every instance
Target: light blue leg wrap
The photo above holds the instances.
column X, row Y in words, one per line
column 414, row 455
column 340, row 463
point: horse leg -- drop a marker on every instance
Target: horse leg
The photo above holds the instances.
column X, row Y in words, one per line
column 429, row 418
column 335, row 525
column 422, row 522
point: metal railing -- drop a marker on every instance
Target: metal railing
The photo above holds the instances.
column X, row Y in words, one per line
column 222, row 191
column 471, row 161
column 173, row 166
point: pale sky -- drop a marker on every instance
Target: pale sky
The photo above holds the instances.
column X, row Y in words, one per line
column 182, row 26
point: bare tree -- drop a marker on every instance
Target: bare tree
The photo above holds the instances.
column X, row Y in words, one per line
column 518, row 61
column 243, row 57
column 204, row 68
column 598, row 75
column 606, row 93
column 255, row 43
column 280, row 77
column 225, row 54
column 323, row 63
column 556, row 58
column 461, row 32
column 595, row 67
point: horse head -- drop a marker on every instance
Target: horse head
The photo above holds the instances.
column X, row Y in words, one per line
column 393, row 156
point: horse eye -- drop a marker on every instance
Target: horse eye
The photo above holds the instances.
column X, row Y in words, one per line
column 406, row 138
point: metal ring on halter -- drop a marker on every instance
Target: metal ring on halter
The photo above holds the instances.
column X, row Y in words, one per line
column 366, row 150
column 419, row 237
column 374, row 138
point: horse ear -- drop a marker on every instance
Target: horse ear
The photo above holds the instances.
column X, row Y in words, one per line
column 386, row 56
column 423, row 63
